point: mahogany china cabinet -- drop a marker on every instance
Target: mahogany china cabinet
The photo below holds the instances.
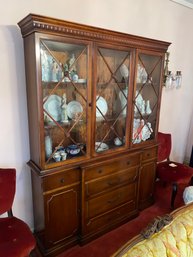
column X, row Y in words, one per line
column 93, row 105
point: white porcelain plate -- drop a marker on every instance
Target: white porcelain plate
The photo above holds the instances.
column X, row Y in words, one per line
column 73, row 108
column 102, row 106
column 81, row 80
column 53, row 106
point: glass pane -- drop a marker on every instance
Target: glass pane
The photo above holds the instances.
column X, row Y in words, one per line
column 64, row 83
column 146, row 97
column 111, row 98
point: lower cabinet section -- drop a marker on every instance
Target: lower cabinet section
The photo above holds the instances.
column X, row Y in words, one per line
column 79, row 204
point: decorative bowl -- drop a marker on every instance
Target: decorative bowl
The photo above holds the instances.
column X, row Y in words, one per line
column 73, row 149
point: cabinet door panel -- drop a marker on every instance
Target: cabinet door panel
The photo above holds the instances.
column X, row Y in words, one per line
column 61, row 215
column 146, row 184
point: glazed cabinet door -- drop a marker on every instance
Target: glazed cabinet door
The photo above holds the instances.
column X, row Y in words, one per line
column 64, row 86
column 112, row 98
column 146, row 100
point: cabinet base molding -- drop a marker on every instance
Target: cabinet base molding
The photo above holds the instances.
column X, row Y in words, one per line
column 57, row 249
column 147, row 203
column 79, row 240
column 88, row 238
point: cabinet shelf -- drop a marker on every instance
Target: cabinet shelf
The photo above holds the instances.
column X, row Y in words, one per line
column 103, row 85
column 70, row 123
column 61, row 84
column 110, row 119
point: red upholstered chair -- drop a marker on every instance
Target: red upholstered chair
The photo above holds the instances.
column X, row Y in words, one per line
column 16, row 239
column 170, row 172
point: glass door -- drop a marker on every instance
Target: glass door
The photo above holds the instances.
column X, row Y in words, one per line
column 64, row 82
column 146, row 97
column 112, row 91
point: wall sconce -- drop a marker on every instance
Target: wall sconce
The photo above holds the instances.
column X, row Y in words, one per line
column 170, row 80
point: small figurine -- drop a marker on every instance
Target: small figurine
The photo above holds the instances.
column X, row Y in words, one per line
column 60, row 72
column 48, row 146
column 71, row 63
column 64, row 116
column 70, row 67
column 55, row 70
column 143, row 107
column 148, row 108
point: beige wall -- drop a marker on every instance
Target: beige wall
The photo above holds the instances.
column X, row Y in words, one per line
column 189, row 145
column 159, row 19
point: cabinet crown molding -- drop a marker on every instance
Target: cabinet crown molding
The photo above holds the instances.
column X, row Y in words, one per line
column 42, row 24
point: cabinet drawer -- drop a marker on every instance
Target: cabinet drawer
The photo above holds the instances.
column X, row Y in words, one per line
column 109, row 218
column 111, row 167
column 110, row 200
column 109, row 182
column 64, row 178
column 150, row 153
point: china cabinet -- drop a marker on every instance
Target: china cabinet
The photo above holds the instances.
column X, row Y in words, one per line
column 93, row 109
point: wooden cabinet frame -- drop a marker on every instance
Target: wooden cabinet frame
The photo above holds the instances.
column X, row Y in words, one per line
column 126, row 171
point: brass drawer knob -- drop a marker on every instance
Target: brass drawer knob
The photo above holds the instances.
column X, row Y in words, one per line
column 114, row 200
column 62, row 180
column 114, row 183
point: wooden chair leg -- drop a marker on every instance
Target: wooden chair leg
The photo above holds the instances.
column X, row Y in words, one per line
column 35, row 253
column 174, row 193
column 191, row 181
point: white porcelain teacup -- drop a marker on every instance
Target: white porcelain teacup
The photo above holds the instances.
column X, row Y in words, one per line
column 57, row 157
column 118, row 141
column 63, row 155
